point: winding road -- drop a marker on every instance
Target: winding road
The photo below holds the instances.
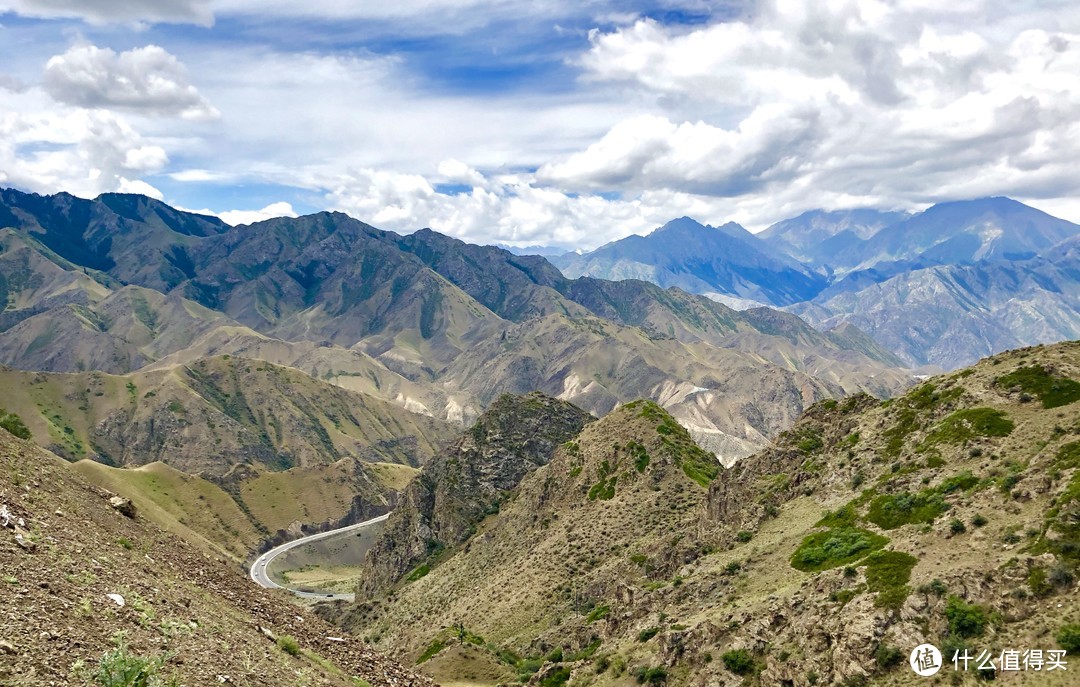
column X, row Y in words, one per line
column 259, row 568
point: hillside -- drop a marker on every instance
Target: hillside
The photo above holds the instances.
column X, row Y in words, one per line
column 93, row 592
column 267, row 446
column 947, row 515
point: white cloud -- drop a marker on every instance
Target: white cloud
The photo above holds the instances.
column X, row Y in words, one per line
column 122, row 11
column 236, row 217
column 147, row 80
column 84, row 152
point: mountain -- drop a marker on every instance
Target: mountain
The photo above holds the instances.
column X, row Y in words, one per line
column 946, row 515
column 723, row 262
column 416, row 319
column 817, row 236
column 951, row 315
column 99, row 597
column 963, row 232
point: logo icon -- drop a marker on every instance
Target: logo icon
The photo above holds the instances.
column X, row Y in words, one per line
column 925, row 660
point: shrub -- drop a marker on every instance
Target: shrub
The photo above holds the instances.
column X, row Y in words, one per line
column 979, row 520
column 120, row 668
column 556, row 678
column 288, row 644
column 647, row 634
column 1052, row 390
column 744, row 536
column 738, row 661
column 965, row 620
column 435, row 647
column 890, row 511
column 835, row 547
column 419, row 572
column 956, row 526
column 651, row 676
column 13, row 424
column 1068, row 638
column 971, row 423
column 1037, row 582
column 598, row 613
column 888, row 656
column 1061, row 576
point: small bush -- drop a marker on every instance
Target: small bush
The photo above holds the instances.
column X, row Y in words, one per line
column 744, row 536
column 1052, row 390
column 890, row 511
column 288, row 644
column 738, row 661
column 1038, row 583
column 598, row 613
column 956, row 526
column 979, row 520
column 120, row 668
column 835, row 547
column 556, row 678
column 651, row 676
column 888, row 656
column 965, row 620
column 1068, row 638
column 887, row 573
column 647, row 634
column 13, row 424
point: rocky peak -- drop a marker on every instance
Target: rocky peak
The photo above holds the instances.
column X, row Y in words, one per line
column 468, row 480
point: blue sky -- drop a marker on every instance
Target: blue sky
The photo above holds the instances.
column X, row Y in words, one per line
column 555, row 122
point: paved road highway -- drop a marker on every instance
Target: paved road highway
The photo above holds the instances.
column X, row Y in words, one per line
column 259, row 568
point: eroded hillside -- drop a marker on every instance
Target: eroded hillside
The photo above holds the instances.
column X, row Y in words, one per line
column 948, row 515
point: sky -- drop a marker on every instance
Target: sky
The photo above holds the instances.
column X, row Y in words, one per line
column 554, row 122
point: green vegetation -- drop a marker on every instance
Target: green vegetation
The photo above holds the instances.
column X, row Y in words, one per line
column 639, row 454
column 651, row 676
column 888, row 656
column 604, row 489
column 432, row 649
column 910, row 409
column 598, row 613
column 1052, row 390
column 965, row 620
column 738, row 661
column 1037, row 582
column 288, row 644
column 121, row 668
column 970, row 423
column 835, row 547
column 890, row 511
column 556, row 678
column 418, row 572
column 1068, row 638
column 888, row 573
column 647, row 634
column 13, row 424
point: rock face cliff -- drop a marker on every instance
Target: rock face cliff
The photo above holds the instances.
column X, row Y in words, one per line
column 468, row 480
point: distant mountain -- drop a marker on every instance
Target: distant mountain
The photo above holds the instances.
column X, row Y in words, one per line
column 817, row 236
column 727, row 261
column 546, row 251
column 952, row 315
column 963, row 232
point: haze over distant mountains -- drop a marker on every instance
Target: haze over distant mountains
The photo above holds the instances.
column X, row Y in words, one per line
column 943, row 287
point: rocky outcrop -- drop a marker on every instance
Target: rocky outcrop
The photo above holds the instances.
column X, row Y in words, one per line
column 461, row 485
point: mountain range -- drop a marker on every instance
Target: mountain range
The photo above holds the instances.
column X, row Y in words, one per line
column 940, row 288
column 124, row 283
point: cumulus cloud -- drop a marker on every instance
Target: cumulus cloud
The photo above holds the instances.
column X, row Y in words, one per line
column 147, row 80
column 84, row 152
column 106, row 11
column 236, row 217
column 855, row 102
